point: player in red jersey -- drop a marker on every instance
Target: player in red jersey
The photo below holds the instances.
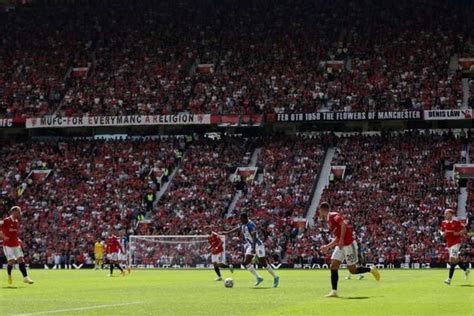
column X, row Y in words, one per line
column 453, row 230
column 345, row 247
column 217, row 253
column 12, row 244
column 1, row 239
column 113, row 248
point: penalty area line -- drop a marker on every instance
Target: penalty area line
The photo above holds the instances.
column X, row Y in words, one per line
column 78, row 309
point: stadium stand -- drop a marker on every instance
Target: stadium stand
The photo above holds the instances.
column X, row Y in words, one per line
column 395, row 192
column 107, row 58
column 152, row 65
column 289, row 167
column 94, row 186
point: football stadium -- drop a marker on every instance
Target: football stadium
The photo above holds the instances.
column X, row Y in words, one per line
column 236, row 157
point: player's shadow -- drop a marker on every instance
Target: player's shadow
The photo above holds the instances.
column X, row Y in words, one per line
column 262, row 288
column 466, row 285
column 355, row 298
column 10, row 287
column 358, row 297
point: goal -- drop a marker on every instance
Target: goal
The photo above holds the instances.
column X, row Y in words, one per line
column 170, row 251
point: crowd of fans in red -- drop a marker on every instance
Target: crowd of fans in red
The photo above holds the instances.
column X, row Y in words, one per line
column 265, row 57
column 393, row 194
column 202, row 191
column 281, row 193
column 469, row 252
column 95, row 187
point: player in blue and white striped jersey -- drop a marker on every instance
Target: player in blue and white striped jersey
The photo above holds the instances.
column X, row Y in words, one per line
column 253, row 247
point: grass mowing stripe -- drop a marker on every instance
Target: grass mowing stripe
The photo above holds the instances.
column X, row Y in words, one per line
column 78, row 309
column 194, row 292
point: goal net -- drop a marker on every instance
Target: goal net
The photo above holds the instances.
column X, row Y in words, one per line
column 167, row 251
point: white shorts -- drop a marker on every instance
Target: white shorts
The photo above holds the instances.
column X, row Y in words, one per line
column 349, row 253
column 12, row 253
column 219, row 258
column 454, row 251
column 259, row 250
column 122, row 257
column 114, row 256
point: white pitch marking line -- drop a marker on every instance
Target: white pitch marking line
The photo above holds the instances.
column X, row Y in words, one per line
column 77, row 309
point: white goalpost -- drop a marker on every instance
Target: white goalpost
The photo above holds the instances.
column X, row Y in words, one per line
column 170, row 251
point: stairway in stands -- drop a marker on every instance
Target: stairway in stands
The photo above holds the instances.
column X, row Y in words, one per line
column 321, row 185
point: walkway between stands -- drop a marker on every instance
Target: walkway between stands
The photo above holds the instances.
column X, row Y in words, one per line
column 322, row 183
column 238, row 194
column 166, row 185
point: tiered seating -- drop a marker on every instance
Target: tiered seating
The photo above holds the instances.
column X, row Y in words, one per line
column 281, row 193
column 395, row 193
column 394, row 66
column 94, row 187
column 38, row 46
column 142, row 63
column 201, row 190
column 467, row 252
column 391, row 55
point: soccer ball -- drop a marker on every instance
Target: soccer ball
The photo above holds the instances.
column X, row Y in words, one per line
column 229, row 283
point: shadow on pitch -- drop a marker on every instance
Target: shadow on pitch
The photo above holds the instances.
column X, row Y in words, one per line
column 466, row 285
column 11, row 287
column 262, row 288
column 358, row 297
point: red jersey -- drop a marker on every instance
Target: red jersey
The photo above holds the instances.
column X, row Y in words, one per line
column 335, row 220
column 216, row 243
column 1, row 239
column 10, row 232
column 113, row 245
column 448, row 228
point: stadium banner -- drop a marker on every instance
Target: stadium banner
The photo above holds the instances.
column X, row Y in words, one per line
column 300, row 222
column 39, row 175
column 12, row 122
column 466, row 64
column 334, row 65
column 275, row 265
column 441, row 115
column 247, row 174
column 251, row 120
column 346, row 116
column 464, row 171
column 80, row 72
column 205, row 69
column 338, row 171
column 130, row 120
column 236, row 120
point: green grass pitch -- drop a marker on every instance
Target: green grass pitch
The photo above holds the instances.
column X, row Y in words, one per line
column 192, row 292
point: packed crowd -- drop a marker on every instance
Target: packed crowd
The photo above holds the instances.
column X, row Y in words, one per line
column 471, row 93
column 469, row 251
column 37, row 48
column 141, row 58
column 95, row 187
column 393, row 194
column 201, row 191
column 167, row 252
column 280, row 195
